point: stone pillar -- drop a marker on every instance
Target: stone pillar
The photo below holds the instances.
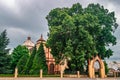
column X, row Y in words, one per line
column 93, row 72
column 102, row 70
column 78, row 74
column 61, row 74
column 115, row 74
column 16, row 72
column 90, row 71
column 41, row 73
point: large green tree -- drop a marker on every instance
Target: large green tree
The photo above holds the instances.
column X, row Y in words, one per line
column 39, row 61
column 29, row 63
column 90, row 29
column 108, row 25
column 4, row 53
column 22, row 62
column 17, row 54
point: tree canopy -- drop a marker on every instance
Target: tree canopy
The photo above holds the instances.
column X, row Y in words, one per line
column 81, row 32
column 29, row 63
column 4, row 53
column 17, row 54
column 39, row 61
column 21, row 63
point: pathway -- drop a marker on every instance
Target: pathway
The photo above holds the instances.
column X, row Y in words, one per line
column 37, row 78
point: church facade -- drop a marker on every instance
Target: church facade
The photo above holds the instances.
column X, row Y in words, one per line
column 52, row 67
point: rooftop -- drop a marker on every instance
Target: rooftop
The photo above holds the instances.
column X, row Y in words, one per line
column 41, row 38
column 28, row 42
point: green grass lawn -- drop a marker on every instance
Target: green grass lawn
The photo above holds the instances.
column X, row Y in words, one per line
column 6, row 75
column 22, row 75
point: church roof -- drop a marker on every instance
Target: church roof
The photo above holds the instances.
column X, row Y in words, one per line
column 41, row 39
column 28, row 42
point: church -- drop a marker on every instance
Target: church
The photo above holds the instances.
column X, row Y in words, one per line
column 52, row 67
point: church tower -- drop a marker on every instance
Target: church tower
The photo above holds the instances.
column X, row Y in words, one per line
column 49, row 57
column 40, row 40
column 29, row 44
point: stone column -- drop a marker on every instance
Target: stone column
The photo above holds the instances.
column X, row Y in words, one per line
column 78, row 74
column 102, row 70
column 16, row 72
column 115, row 74
column 61, row 74
column 93, row 72
column 41, row 73
column 90, row 71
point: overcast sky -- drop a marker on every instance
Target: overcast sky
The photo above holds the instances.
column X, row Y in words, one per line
column 23, row 18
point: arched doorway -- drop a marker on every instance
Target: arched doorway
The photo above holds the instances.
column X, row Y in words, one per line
column 92, row 68
column 97, row 68
column 52, row 68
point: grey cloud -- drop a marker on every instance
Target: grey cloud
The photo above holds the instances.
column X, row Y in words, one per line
column 117, row 2
column 30, row 19
column 31, row 14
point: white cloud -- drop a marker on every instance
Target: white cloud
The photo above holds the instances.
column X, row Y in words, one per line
column 9, row 3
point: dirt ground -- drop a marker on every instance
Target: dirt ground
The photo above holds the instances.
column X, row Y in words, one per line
column 37, row 78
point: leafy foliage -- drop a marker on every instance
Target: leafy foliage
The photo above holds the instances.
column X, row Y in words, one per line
column 106, row 67
column 29, row 63
column 22, row 62
column 39, row 61
column 107, row 22
column 4, row 53
column 89, row 31
column 17, row 54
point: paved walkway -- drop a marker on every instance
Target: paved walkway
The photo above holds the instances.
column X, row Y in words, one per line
column 37, row 78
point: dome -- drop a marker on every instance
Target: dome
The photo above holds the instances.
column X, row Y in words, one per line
column 28, row 43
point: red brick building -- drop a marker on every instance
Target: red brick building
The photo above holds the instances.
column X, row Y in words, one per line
column 52, row 68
